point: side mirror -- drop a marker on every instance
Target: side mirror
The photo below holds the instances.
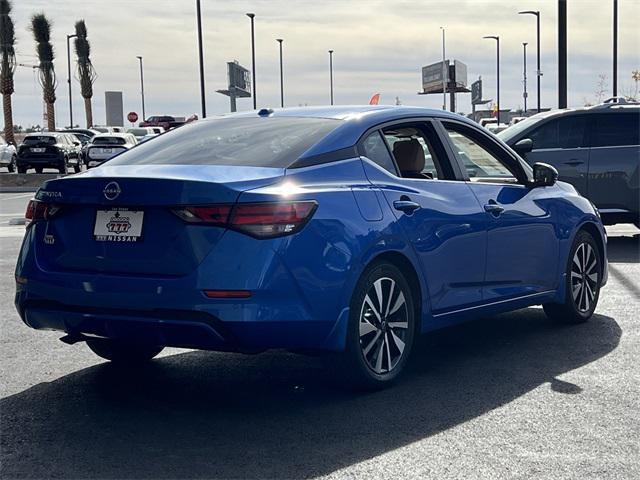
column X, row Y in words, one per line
column 77, row 144
column 544, row 175
column 523, row 146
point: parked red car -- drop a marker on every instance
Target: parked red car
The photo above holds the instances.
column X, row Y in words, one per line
column 164, row 121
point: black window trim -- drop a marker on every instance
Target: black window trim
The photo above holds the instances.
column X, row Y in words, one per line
column 513, row 163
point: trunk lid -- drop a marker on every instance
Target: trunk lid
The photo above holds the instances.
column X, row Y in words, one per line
column 157, row 242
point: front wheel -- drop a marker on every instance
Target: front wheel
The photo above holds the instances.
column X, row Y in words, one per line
column 584, row 276
column 381, row 329
column 121, row 352
column 12, row 165
column 76, row 168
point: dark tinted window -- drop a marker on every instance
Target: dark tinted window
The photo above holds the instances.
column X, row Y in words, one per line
column 564, row 132
column 108, row 141
column 39, row 139
column 616, row 129
column 376, row 150
column 258, row 142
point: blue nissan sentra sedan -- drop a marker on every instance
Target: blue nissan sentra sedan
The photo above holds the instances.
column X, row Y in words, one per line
column 343, row 230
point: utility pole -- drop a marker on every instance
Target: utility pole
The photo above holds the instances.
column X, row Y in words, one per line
column 253, row 59
column 562, row 53
column 201, row 59
column 144, row 117
column 524, row 80
column 615, row 48
column 497, row 39
column 538, row 71
column 331, row 74
column 280, row 40
column 69, row 37
column 444, row 73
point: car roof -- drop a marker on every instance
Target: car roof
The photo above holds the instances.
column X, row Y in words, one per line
column 124, row 135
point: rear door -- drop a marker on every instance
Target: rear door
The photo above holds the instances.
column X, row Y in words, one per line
column 440, row 216
column 614, row 161
column 522, row 245
column 561, row 142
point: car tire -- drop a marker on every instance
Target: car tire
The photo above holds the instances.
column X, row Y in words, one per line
column 76, row 168
column 22, row 169
column 377, row 344
column 582, row 283
column 38, row 169
column 63, row 167
column 122, row 352
column 12, row 165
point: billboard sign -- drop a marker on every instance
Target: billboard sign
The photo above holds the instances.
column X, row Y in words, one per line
column 239, row 79
column 476, row 92
column 460, row 74
column 432, row 77
column 114, row 109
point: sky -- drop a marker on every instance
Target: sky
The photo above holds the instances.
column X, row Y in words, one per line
column 379, row 47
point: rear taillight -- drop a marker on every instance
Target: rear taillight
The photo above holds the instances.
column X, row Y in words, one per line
column 37, row 211
column 260, row 220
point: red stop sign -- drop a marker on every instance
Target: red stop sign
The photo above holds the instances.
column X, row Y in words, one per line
column 132, row 117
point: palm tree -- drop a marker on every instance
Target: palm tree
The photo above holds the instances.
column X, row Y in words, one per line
column 86, row 72
column 41, row 29
column 8, row 60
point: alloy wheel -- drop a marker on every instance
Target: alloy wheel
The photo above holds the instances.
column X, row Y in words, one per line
column 383, row 326
column 584, row 277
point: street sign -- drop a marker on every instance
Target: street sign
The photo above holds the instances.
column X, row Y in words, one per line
column 132, row 117
column 476, row 92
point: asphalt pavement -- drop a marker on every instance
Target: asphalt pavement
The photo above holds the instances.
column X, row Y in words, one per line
column 512, row 396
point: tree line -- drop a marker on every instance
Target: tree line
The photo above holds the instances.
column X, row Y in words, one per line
column 40, row 27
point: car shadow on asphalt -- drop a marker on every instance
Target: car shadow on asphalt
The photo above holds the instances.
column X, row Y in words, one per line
column 214, row 415
column 624, row 249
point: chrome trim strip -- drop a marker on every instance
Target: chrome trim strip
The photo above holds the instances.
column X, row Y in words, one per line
column 494, row 303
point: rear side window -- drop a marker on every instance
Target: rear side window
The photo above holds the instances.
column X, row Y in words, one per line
column 257, row 142
column 565, row 132
column 616, row 129
column 375, row 149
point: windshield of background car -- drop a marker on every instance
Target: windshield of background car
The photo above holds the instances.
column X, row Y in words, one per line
column 40, row 139
column 510, row 132
column 257, row 142
column 108, row 141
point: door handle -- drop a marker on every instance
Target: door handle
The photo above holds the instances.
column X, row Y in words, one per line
column 406, row 206
column 493, row 209
column 574, row 162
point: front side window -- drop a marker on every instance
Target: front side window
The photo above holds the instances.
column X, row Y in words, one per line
column 565, row 132
column 478, row 161
column 616, row 130
column 376, row 150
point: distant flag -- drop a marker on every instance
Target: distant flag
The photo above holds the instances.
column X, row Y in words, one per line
column 375, row 99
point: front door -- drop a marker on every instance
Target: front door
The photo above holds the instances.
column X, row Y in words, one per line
column 521, row 234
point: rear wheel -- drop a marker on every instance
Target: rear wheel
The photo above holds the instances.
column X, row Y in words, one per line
column 381, row 329
column 76, row 168
column 12, row 165
column 584, row 275
column 22, row 169
column 63, row 167
column 122, row 352
column 38, row 169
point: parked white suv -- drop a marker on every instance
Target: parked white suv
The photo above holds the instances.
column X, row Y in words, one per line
column 107, row 145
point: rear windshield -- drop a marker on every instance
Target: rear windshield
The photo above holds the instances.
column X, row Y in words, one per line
column 108, row 141
column 43, row 139
column 139, row 132
column 258, row 142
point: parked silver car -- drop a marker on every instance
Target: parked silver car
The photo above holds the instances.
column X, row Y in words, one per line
column 596, row 149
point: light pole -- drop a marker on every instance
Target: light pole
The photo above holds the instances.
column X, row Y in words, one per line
column 497, row 39
column 144, row 117
column 253, row 59
column 615, row 48
column 280, row 40
column 444, row 74
column 69, row 37
column 538, row 72
column 201, row 60
column 331, row 73
column 524, row 74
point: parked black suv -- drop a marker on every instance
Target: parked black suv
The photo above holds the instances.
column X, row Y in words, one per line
column 57, row 150
column 596, row 149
